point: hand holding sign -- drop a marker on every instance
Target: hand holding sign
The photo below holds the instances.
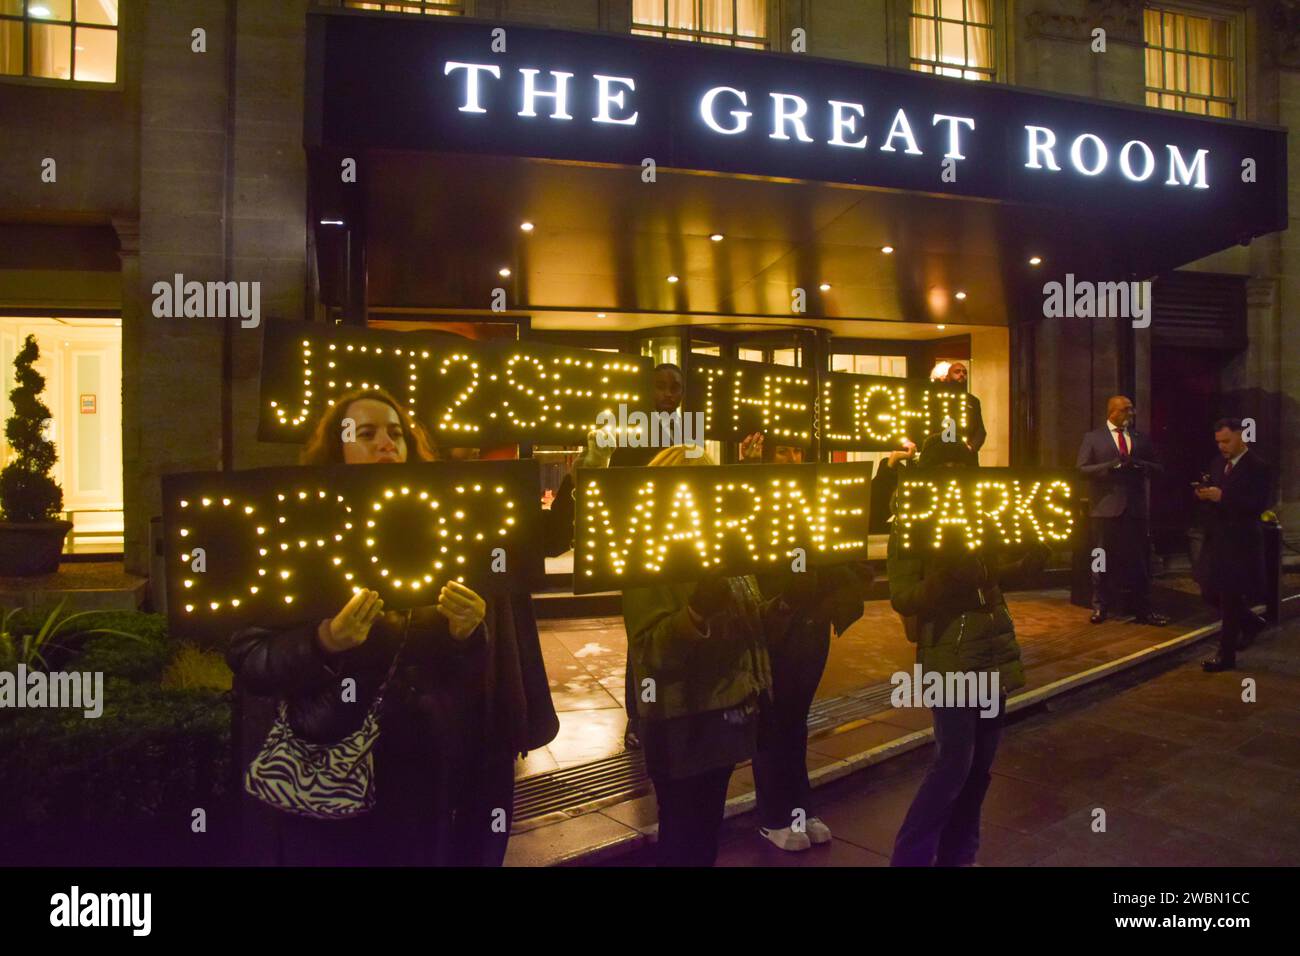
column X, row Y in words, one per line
column 462, row 608
column 351, row 626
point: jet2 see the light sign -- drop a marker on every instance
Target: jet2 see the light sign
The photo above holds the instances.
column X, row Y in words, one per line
column 728, row 111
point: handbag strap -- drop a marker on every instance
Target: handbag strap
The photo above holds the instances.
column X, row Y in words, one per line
column 392, row 668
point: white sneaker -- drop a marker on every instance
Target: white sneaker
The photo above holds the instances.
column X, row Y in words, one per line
column 786, row 839
column 818, row 831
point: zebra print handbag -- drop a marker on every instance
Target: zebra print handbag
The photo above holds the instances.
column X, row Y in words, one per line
column 321, row 781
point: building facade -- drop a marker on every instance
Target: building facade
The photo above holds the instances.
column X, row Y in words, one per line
column 187, row 157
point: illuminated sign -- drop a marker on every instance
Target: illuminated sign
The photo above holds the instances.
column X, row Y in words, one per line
column 876, row 412
column 974, row 508
column 615, row 99
column 278, row 546
column 739, row 398
column 639, row 526
column 467, row 393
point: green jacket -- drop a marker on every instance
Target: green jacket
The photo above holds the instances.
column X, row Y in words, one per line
column 940, row 616
column 692, row 674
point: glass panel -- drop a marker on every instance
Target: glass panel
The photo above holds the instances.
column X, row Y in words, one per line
column 1221, row 77
column 12, row 7
column 952, row 9
column 1221, row 109
column 979, row 11
column 1154, row 77
column 681, row 14
column 979, row 47
column 717, row 16
column 648, row 11
column 103, row 12
column 1194, row 105
column 88, row 437
column 96, row 55
column 950, row 44
column 51, row 50
column 50, row 10
column 751, row 18
column 11, row 47
column 1175, row 73
column 785, row 356
column 1220, row 37
column 923, row 47
column 1153, row 99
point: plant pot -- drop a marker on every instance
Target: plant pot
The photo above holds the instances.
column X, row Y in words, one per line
column 29, row 548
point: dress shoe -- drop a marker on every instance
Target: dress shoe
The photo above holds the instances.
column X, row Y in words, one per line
column 1155, row 620
column 1217, row 663
column 1098, row 616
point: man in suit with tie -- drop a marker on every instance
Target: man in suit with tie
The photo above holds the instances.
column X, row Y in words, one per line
column 1231, row 565
column 1118, row 461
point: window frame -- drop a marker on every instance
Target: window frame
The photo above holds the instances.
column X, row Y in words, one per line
column 1236, row 20
column 50, row 82
column 1002, row 40
column 464, row 6
column 651, row 31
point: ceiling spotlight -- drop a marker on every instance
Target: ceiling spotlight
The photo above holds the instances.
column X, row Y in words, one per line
column 672, row 278
column 825, row 287
column 887, row 250
column 526, row 226
column 961, row 295
column 600, row 315
column 716, row 237
column 331, row 222
column 503, row 273
column 941, row 327
column 1035, row 260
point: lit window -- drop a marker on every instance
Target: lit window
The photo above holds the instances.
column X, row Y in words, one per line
column 1190, row 63
column 59, row 39
column 740, row 23
column 954, row 38
column 431, row 7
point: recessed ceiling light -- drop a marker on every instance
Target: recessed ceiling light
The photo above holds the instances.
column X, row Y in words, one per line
column 503, row 273
column 961, row 295
column 672, row 278
column 331, row 222
column 887, row 250
column 825, row 287
column 526, row 226
column 38, row 11
column 1035, row 260
column 600, row 315
column 716, row 237
column 941, row 327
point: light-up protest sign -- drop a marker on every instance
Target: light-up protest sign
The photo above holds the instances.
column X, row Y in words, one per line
column 467, row 393
column 970, row 508
column 639, row 526
column 276, row 546
column 739, row 398
column 876, row 412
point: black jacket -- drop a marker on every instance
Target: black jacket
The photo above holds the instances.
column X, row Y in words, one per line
column 493, row 683
column 1233, row 556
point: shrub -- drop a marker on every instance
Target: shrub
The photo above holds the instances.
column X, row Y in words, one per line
column 193, row 668
column 27, row 492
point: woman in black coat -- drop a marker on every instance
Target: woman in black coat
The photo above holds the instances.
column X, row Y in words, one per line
column 469, row 694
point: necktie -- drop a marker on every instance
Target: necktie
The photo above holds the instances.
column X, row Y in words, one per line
column 1123, row 443
column 1227, row 469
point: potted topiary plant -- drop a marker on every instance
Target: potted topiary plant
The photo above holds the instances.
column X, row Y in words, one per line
column 31, row 536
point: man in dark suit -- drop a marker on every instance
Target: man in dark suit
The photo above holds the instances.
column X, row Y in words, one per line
column 1118, row 462
column 1231, row 565
column 975, row 441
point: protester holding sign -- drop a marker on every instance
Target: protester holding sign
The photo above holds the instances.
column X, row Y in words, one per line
column 464, row 690
column 820, row 599
column 952, row 608
column 699, row 652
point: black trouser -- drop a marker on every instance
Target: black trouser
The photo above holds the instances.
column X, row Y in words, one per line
column 781, row 763
column 629, row 694
column 942, row 826
column 1236, row 618
column 1125, row 541
column 690, row 816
